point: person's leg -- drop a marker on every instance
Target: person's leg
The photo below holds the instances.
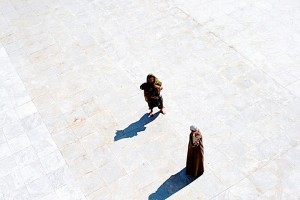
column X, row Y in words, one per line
column 161, row 105
column 151, row 112
column 150, row 104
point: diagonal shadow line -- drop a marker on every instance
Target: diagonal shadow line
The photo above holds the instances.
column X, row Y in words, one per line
column 133, row 129
column 172, row 185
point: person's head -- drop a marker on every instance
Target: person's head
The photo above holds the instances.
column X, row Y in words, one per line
column 151, row 79
column 193, row 128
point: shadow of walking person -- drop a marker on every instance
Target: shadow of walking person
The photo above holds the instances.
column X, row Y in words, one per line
column 175, row 183
column 133, row 129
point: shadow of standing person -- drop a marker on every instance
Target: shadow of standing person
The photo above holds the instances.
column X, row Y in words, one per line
column 133, row 129
column 172, row 185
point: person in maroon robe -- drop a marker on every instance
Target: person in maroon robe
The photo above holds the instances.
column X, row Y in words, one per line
column 194, row 161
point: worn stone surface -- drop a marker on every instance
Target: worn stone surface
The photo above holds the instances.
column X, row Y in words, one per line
column 72, row 116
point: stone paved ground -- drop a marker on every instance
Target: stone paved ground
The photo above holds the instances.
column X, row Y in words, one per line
column 72, row 123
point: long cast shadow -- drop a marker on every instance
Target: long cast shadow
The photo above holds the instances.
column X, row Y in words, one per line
column 133, row 129
column 175, row 183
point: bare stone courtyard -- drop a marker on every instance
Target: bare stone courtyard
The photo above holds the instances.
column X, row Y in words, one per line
column 74, row 123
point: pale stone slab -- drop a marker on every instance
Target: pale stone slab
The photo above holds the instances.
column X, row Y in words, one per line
column 69, row 82
column 73, row 151
column 12, row 130
column 112, row 171
column 91, row 182
column 70, row 192
column 39, row 188
column 4, row 150
column 60, row 177
column 51, row 196
column 18, row 143
column 52, row 161
column 25, row 156
column 82, row 166
column 32, row 171
column 12, row 183
column 26, row 110
column 31, row 167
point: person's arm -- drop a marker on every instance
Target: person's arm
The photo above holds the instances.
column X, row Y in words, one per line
column 159, row 87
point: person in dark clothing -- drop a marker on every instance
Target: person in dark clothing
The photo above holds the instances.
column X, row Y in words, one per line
column 152, row 95
column 195, row 155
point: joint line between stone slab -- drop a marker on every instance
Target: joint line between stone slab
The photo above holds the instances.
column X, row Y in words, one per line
column 275, row 157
